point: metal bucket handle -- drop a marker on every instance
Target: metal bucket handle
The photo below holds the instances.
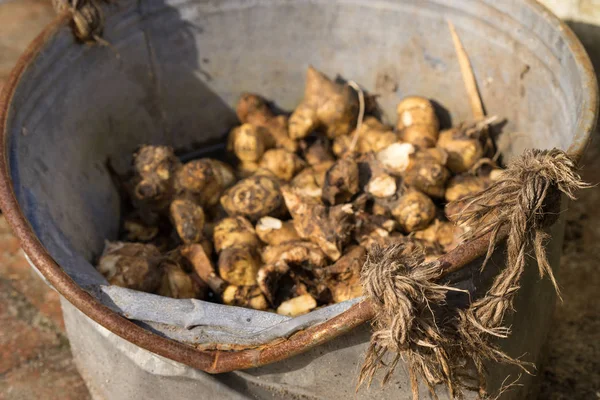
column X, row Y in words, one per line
column 218, row 361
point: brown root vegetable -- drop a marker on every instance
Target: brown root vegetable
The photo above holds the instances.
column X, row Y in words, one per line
column 374, row 136
column 413, row 211
column 328, row 105
column 131, row 265
column 245, row 296
column 254, row 197
column 234, row 232
column 463, row 151
column 345, row 275
column 154, row 171
column 341, row 146
column 341, row 182
column 238, row 266
column 249, row 142
column 329, row 227
column 427, row 174
column 445, row 234
column 282, row 163
column 309, row 182
column 372, row 225
column 246, row 169
column 188, row 219
column 177, row 284
column 204, row 180
column 296, row 252
column 137, row 230
column 273, row 231
column 297, row 306
column 417, row 122
column 423, row 170
column 195, row 255
column 253, row 109
column 465, row 185
column 318, row 152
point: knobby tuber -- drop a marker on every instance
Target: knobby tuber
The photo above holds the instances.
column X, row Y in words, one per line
column 254, row 110
column 204, row 180
column 287, row 225
column 253, row 197
column 131, row 265
column 328, row 105
column 417, row 122
column 282, row 163
column 329, row 227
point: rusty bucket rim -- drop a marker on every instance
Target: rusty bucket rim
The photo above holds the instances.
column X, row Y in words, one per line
column 218, row 361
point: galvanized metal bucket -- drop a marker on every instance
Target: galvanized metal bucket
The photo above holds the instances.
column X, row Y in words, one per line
column 172, row 74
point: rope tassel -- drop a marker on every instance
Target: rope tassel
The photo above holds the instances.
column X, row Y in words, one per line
column 413, row 321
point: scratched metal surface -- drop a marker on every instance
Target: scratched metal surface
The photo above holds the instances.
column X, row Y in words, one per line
column 172, row 76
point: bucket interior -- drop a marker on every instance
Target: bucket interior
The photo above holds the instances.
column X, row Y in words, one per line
column 174, row 70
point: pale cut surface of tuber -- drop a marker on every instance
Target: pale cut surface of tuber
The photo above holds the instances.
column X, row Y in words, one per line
column 254, row 197
column 396, row 158
column 245, row 296
column 329, row 227
column 238, row 266
column 417, row 122
column 204, row 180
column 341, row 182
column 131, row 265
column 253, row 109
column 327, row 105
column 188, row 219
column 177, row 284
column 282, row 163
column 413, row 211
column 380, row 183
column 274, row 231
column 234, row 232
column 297, row 306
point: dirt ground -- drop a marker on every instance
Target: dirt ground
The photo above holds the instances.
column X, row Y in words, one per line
column 572, row 368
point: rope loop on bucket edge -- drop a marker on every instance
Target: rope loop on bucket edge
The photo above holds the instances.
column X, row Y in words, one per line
column 413, row 322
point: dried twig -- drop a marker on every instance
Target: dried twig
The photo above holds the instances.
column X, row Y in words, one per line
column 468, row 76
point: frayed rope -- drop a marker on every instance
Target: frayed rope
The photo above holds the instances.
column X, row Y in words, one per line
column 413, row 323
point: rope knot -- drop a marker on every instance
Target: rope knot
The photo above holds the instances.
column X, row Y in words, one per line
column 412, row 320
column 87, row 18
